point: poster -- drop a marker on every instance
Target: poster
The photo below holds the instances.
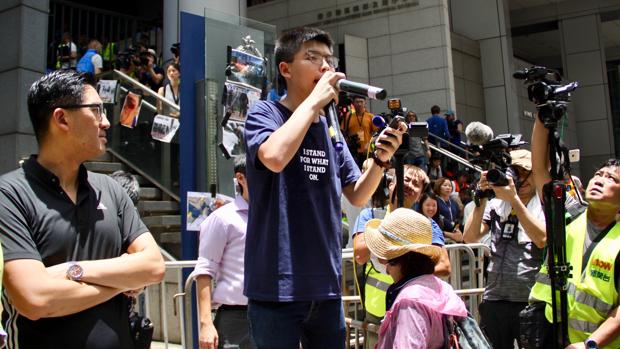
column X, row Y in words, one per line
column 232, row 139
column 238, row 100
column 107, row 90
column 200, row 205
column 164, row 128
column 131, row 110
column 247, row 69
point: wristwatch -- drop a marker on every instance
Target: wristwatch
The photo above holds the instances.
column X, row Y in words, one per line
column 591, row 344
column 75, row 271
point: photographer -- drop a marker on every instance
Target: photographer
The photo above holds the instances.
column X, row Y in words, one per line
column 148, row 72
column 358, row 128
column 592, row 249
column 517, row 225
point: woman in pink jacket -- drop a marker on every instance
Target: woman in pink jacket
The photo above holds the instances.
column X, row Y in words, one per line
column 417, row 301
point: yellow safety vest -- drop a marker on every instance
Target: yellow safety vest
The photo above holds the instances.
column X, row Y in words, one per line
column 375, row 290
column 592, row 295
column 109, row 52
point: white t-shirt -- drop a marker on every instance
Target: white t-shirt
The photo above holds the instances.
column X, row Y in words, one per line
column 97, row 61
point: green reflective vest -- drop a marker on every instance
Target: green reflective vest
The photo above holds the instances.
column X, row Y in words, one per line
column 592, row 295
column 109, row 52
column 375, row 290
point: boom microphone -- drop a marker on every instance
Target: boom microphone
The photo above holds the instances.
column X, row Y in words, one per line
column 478, row 133
column 361, row 89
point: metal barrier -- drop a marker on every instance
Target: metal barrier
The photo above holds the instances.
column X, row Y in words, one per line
column 473, row 288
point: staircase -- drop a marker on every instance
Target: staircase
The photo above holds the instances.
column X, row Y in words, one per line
column 158, row 211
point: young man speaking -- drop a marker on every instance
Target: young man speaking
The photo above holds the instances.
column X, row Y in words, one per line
column 296, row 178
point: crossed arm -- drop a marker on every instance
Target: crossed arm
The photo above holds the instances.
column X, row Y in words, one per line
column 37, row 292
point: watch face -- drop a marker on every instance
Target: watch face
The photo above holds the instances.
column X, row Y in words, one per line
column 75, row 272
column 591, row 344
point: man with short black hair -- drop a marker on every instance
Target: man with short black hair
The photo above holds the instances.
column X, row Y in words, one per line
column 73, row 242
column 438, row 126
column 220, row 259
column 592, row 249
column 296, row 177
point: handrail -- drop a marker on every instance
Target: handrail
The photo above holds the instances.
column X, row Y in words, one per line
column 450, row 144
column 455, row 157
column 142, row 173
column 146, row 89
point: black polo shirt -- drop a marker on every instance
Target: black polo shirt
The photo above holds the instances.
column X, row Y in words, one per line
column 39, row 221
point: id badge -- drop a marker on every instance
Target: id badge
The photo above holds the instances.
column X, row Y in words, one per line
column 510, row 229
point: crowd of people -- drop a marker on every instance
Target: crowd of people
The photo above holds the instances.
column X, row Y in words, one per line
column 76, row 251
column 140, row 61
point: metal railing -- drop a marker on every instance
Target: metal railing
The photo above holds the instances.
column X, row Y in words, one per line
column 154, row 160
column 471, row 288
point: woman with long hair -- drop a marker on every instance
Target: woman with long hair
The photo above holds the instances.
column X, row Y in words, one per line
column 449, row 214
column 171, row 90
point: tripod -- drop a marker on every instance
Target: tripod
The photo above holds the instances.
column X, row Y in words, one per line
column 554, row 196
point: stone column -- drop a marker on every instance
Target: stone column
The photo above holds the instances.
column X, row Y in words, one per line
column 583, row 57
column 488, row 22
column 23, row 38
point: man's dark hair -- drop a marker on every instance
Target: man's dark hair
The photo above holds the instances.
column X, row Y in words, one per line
column 610, row 163
column 61, row 87
column 129, row 183
column 290, row 42
column 414, row 264
column 239, row 164
column 435, row 109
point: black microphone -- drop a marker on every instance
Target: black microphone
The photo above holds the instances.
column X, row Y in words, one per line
column 334, row 127
column 361, row 89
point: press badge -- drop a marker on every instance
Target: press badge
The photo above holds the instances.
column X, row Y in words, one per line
column 511, row 226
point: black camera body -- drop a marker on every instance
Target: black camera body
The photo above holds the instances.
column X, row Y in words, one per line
column 494, row 157
column 546, row 91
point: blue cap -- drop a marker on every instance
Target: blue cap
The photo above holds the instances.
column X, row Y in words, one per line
column 449, row 112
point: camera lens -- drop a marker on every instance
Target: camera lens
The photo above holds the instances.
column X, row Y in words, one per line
column 497, row 177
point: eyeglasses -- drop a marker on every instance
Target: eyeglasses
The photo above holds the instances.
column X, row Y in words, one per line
column 97, row 108
column 317, row 59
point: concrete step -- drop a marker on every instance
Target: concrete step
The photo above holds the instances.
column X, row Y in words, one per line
column 103, row 167
column 150, row 208
column 149, row 193
column 170, row 238
column 163, row 223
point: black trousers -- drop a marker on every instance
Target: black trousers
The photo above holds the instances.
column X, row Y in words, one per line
column 233, row 328
column 499, row 320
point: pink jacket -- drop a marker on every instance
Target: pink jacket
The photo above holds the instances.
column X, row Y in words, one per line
column 415, row 319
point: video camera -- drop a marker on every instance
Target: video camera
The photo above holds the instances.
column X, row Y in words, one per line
column 547, row 92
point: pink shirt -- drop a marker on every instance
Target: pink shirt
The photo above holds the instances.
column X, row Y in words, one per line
column 221, row 252
column 416, row 317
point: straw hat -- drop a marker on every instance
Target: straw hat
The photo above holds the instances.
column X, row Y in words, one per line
column 404, row 230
